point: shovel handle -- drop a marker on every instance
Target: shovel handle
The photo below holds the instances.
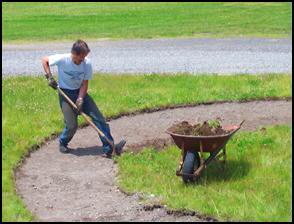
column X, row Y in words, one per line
column 67, row 98
column 85, row 116
column 241, row 123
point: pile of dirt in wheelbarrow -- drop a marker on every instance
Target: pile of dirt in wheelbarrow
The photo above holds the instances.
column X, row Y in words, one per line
column 206, row 128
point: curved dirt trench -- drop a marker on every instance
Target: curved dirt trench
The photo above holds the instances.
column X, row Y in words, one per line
column 80, row 186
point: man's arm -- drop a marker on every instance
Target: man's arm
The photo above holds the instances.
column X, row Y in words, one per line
column 45, row 63
column 49, row 77
column 83, row 89
column 82, row 94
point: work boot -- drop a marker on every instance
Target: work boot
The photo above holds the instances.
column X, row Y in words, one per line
column 107, row 152
column 119, row 147
column 63, row 148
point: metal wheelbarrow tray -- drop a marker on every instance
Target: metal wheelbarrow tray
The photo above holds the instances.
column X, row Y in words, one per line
column 195, row 144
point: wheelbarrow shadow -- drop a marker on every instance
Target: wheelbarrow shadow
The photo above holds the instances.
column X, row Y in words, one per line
column 234, row 170
column 88, row 151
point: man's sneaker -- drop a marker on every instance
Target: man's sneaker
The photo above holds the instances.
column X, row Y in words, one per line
column 63, row 148
column 119, row 147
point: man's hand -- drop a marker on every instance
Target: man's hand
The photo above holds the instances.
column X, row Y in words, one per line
column 51, row 80
column 53, row 83
column 79, row 104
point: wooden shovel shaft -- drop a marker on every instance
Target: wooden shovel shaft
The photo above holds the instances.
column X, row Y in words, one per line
column 85, row 116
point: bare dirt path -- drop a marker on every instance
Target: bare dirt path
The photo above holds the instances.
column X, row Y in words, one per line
column 81, row 186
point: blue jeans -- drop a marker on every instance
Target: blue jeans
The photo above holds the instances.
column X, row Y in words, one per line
column 71, row 118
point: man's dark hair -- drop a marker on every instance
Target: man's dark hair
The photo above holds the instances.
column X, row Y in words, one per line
column 79, row 47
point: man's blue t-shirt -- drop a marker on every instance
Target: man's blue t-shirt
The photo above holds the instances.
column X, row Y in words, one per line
column 71, row 75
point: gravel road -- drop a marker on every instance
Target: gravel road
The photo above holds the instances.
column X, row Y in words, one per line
column 81, row 185
column 168, row 55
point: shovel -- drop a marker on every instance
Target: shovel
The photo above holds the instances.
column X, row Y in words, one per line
column 87, row 119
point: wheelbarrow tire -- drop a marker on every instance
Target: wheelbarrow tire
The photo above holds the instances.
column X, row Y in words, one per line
column 191, row 163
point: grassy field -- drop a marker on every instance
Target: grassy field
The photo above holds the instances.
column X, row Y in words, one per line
column 30, row 109
column 256, row 185
column 24, row 21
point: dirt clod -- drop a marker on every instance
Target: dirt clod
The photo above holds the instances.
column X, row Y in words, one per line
column 207, row 128
column 151, row 207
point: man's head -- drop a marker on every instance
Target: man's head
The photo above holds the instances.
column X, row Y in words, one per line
column 79, row 51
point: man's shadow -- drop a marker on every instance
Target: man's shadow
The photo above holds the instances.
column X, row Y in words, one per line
column 88, row 151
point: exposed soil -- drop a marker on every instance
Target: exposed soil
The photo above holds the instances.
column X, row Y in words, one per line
column 81, row 185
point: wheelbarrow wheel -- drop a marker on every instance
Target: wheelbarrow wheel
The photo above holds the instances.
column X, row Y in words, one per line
column 191, row 163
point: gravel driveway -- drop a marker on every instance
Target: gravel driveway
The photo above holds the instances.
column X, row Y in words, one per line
column 169, row 55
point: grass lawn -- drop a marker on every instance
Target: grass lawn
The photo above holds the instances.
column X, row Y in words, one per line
column 256, row 185
column 31, row 112
column 24, row 21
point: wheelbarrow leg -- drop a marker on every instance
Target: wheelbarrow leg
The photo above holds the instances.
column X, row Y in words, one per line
column 201, row 154
column 182, row 157
column 224, row 158
column 202, row 163
column 209, row 159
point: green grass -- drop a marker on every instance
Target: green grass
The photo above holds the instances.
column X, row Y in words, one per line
column 24, row 21
column 30, row 109
column 256, row 185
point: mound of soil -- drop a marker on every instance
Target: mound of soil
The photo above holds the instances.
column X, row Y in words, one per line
column 207, row 128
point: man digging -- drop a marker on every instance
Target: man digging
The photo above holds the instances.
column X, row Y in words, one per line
column 74, row 71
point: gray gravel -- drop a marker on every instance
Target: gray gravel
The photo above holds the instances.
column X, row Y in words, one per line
column 81, row 185
column 169, row 55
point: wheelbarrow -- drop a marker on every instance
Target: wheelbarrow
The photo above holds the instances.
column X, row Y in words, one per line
column 190, row 164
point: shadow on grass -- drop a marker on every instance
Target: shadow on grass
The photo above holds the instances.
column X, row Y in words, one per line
column 233, row 170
